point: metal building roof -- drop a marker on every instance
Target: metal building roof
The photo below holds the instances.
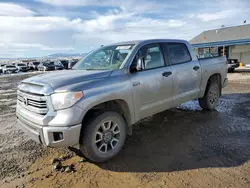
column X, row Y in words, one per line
column 223, row 36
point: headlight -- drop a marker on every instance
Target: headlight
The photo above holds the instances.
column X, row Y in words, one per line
column 65, row 100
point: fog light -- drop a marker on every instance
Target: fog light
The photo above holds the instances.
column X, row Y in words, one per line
column 58, row 136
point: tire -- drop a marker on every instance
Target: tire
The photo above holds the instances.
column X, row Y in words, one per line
column 98, row 143
column 211, row 98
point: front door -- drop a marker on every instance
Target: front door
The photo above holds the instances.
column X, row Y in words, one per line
column 152, row 86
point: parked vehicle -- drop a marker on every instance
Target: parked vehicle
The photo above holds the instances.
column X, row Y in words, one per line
column 33, row 65
column 1, row 67
column 21, row 67
column 65, row 64
column 93, row 106
column 7, row 69
column 58, row 65
column 232, row 64
column 46, row 66
column 72, row 63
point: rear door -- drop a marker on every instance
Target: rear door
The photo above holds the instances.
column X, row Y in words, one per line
column 186, row 73
column 152, row 86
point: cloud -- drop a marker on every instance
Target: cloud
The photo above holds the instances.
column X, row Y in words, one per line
column 10, row 9
column 217, row 16
column 48, row 27
column 105, row 22
column 48, row 33
column 72, row 2
column 35, row 24
column 128, row 6
column 26, row 46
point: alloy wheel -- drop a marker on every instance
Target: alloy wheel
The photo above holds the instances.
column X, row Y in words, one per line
column 107, row 136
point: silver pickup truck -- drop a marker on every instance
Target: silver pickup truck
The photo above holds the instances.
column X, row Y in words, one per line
column 93, row 106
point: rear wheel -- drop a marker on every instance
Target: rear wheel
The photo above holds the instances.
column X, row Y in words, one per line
column 103, row 137
column 211, row 98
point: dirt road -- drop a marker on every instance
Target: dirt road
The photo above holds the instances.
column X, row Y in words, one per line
column 181, row 147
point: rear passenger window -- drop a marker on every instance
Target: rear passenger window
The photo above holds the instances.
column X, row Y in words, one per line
column 178, row 53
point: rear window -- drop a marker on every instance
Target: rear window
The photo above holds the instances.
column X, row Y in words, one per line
column 36, row 63
column 178, row 53
column 19, row 64
column 10, row 66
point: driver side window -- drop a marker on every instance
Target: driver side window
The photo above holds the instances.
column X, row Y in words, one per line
column 151, row 57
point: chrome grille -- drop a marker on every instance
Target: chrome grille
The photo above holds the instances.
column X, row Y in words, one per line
column 33, row 102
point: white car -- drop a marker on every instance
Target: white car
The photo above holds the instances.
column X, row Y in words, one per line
column 7, row 69
column 21, row 67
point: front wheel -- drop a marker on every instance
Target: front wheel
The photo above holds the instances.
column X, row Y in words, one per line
column 211, row 98
column 103, row 137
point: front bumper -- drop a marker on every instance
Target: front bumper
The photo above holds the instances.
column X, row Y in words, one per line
column 233, row 66
column 47, row 134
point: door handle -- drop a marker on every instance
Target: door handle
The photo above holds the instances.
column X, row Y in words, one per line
column 196, row 68
column 166, row 74
column 136, row 83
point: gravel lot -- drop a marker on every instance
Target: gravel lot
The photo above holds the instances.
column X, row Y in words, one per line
column 181, row 147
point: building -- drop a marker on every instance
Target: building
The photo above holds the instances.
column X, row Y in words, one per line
column 234, row 42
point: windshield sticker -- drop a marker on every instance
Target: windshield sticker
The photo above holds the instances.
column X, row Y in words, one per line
column 127, row 47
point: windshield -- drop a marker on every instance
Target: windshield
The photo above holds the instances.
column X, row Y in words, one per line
column 105, row 58
column 36, row 63
column 19, row 64
column 10, row 66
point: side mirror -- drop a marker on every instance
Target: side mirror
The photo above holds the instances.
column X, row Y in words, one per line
column 139, row 66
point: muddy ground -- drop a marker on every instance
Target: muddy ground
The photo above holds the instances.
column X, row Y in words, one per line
column 181, row 147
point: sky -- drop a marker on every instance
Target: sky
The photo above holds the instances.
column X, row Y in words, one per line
column 35, row 28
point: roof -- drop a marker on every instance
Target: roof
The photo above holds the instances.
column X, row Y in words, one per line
column 223, row 36
column 148, row 41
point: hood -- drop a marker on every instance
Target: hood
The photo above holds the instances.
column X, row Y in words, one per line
column 59, row 79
